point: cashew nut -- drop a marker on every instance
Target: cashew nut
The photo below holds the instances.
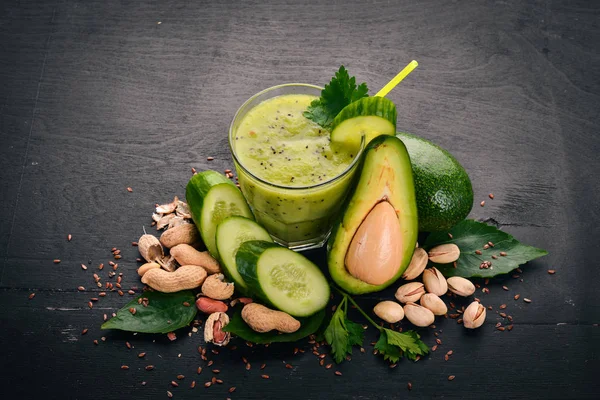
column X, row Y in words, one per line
column 262, row 319
column 216, row 288
column 184, row 277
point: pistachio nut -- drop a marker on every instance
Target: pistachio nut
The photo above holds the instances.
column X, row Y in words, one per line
column 434, row 281
column 410, row 292
column 213, row 329
column 474, row 315
column 434, row 304
column 460, row 286
column 389, row 311
column 418, row 315
column 417, row 264
column 444, row 253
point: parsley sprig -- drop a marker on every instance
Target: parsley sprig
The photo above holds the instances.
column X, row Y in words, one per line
column 341, row 91
column 342, row 334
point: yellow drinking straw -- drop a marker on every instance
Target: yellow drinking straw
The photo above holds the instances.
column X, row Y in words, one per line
column 397, row 79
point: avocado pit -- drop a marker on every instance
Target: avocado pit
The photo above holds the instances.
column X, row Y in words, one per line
column 375, row 252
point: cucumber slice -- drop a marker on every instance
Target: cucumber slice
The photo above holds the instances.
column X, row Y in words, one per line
column 368, row 117
column 231, row 233
column 282, row 278
column 211, row 198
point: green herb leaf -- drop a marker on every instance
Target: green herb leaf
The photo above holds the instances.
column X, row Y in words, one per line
column 341, row 91
column 337, row 335
column 308, row 326
column 356, row 334
column 471, row 236
column 392, row 345
column 165, row 313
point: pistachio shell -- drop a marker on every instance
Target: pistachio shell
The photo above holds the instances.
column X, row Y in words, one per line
column 418, row 315
column 434, row 281
column 474, row 315
column 434, row 304
column 389, row 311
column 460, row 286
column 410, row 292
column 417, row 264
column 444, row 253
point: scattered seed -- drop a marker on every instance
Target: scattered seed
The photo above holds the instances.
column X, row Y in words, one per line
column 129, row 189
column 517, row 296
column 193, row 384
column 83, row 332
column 174, row 384
column 526, row 300
column 211, row 362
column 501, row 328
column 510, row 327
column 503, row 253
column 482, row 203
column 149, row 367
column 132, row 310
column 208, row 384
column 409, row 385
column 90, row 304
column 551, row 271
column 248, row 366
column 199, row 370
column 328, row 366
column 216, row 371
column 505, row 288
column 478, row 252
column 124, row 367
column 210, row 158
column 56, row 261
column 338, row 373
column 288, row 366
column 232, row 389
column 141, row 355
column 31, row 296
column 80, row 288
column 169, row 394
column 451, row 377
column 83, row 267
column 219, row 381
column 96, row 342
column 450, row 235
column 491, row 196
column 446, row 357
column 434, row 347
column 503, row 315
column 69, row 237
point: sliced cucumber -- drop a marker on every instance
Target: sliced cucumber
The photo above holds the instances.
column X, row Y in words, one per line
column 368, row 117
column 211, row 198
column 231, row 233
column 282, row 278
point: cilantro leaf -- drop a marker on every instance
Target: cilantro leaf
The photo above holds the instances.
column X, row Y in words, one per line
column 471, row 236
column 341, row 91
column 336, row 335
column 392, row 345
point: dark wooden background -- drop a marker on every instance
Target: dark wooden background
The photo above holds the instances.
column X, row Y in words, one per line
column 97, row 96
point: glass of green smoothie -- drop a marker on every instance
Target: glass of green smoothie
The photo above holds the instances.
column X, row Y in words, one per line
column 294, row 181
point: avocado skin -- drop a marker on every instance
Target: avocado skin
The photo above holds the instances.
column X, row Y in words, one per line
column 443, row 188
column 364, row 197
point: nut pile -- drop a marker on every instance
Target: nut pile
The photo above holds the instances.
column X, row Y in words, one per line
column 428, row 292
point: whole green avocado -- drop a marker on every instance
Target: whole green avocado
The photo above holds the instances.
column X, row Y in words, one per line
column 442, row 186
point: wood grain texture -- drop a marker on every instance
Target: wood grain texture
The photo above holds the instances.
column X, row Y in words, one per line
column 97, row 96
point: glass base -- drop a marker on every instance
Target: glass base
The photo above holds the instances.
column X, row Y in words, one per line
column 310, row 244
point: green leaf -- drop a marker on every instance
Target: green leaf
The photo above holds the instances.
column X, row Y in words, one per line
column 471, row 236
column 392, row 345
column 356, row 334
column 165, row 313
column 341, row 91
column 308, row 326
column 389, row 352
column 337, row 335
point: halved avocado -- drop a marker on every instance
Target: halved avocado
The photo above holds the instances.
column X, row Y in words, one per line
column 374, row 238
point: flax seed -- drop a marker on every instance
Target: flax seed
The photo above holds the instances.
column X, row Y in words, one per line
column 120, row 293
column 526, row 300
column 491, row 196
column 409, row 385
column 501, row 328
column 132, row 310
column 208, row 384
column 517, row 296
column 149, row 367
column 551, row 271
column 505, row 288
column 288, row 366
column 248, row 366
column 338, row 373
column 503, row 315
column 210, row 158
column 174, row 384
column 216, row 371
column 96, row 342
column 211, row 362
column 129, row 189
column 510, row 327
column 482, row 203
column 503, row 254
column 69, row 237
column 502, row 306
column 124, row 367
column 56, row 261
column 478, row 252
column 451, row 377
column 446, row 357
column 128, row 345
column 438, row 341
column 90, row 304
column 434, row 347
column 232, row 389
column 193, row 384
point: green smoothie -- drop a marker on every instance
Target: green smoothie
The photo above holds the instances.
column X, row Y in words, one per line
column 302, row 180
